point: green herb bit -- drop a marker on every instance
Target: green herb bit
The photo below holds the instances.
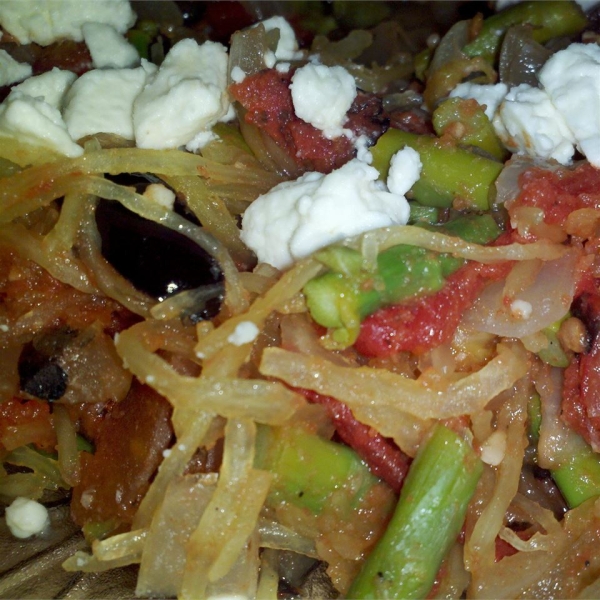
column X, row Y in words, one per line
column 426, row 522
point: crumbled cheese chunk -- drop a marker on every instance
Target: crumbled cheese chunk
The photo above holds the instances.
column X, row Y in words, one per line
column 161, row 194
column 12, row 70
column 550, row 121
column 361, row 143
column 571, row 77
column 36, row 122
column 237, row 74
column 108, row 47
column 296, row 218
column 101, row 101
column 403, row 166
column 527, row 122
column 26, row 517
column 489, row 96
column 494, row 449
column 50, row 86
column 287, row 46
column 322, row 96
column 46, row 21
column 244, row 333
column 521, row 309
column 187, row 96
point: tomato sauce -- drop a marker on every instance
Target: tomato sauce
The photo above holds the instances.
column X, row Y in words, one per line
column 24, row 422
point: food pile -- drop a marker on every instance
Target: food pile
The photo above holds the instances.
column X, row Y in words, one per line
column 304, row 299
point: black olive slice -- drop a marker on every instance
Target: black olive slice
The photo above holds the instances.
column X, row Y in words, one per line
column 155, row 259
column 40, row 375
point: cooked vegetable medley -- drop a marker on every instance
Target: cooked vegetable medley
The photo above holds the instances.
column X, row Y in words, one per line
column 303, row 299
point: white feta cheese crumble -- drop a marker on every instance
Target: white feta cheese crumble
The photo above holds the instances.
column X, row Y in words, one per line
column 101, row 101
column 322, row 96
column 521, row 309
column 187, row 96
column 403, row 166
column 46, row 21
column 528, row 122
column 361, row 143
column 237, row 74
column 488, row 95
column 26, row 517
column 161, row 194
column 571, row 77
column 108, row 48
column 296, row 218
column 494, row 449
column 244, row 333
column 12, row 70
column 50, row 86
column 287, row 46
column 550, row 121
column 36, row 122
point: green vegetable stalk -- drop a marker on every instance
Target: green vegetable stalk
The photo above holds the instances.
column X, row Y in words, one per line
column 548, row 20
column 578, row 478
column 308, row 469
column 466, row 122
column 426, row 522
column 448, row 172
column 341, row 298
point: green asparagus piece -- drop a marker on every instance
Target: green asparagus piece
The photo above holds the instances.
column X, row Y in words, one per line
column 343, row 297
column 448, row 172
column 477, row 229
column 579, row 478
column 423, row 214
column 426, row 522
column 554, row 354
column 308, row 469
column 466, row 122
column 548, row 19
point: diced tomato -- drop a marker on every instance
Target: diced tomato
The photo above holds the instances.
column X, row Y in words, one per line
column 267, row 99
column 428, row 321
column 25, row 422
column 65, row 54
column 382, row 455
column 581, row 395
column 560, row 192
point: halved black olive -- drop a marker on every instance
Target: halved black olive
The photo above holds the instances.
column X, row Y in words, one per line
column 39, row 373
column 156, row 260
